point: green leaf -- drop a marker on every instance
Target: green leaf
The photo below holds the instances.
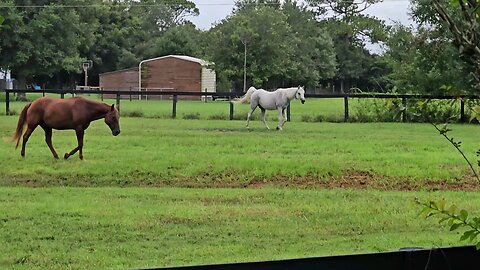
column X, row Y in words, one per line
column 473, row 235
column 441, row 204
column 443, row 219
column 467, row 234
column 463, row 215
column 426, row 212
column 455, row 226
column 478, row 246
column 452, row 209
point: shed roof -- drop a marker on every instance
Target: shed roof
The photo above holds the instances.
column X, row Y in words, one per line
column 183, row 57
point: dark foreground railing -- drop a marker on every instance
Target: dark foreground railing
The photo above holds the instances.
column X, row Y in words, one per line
column 229, row 96
column 451, row 258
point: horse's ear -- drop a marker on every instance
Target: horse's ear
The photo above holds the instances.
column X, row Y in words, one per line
column 112, row 107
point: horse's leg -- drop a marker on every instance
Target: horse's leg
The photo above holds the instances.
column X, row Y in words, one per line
column 30, row 129
column 280, row 118
column 252, row 109
column 263, row 117
column 79, row 133
column 48, row 140
column 284, row 117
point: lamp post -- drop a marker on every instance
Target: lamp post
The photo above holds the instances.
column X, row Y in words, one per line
column 245, row 39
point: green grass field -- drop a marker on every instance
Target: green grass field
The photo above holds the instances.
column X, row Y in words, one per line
column 182, row 192
column 130, row 228
column 316, row 110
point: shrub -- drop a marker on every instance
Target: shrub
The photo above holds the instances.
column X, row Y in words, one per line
column 306, row 118
column 219, row 116
column 133, row 114
column 190, row 116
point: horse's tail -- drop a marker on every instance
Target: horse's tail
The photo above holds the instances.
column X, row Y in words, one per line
column 21, row 123
column 245, row 97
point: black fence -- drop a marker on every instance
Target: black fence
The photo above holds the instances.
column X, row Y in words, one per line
column 229, row 96
column 450, row 258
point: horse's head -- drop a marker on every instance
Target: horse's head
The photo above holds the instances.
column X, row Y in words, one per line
column 300, row 94
column 112, row 120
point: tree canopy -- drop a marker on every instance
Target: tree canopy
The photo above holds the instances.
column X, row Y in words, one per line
column 269, row 43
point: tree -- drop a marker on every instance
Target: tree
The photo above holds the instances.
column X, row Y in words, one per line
column 183, row 40
column 2, row 20
column 314, row 55
column 160, row 15
column 265, row 32
column 283, row 46
column 423, row 61
column 461, row 18
column 350, row 31
column 40, row 41
column 48, row 40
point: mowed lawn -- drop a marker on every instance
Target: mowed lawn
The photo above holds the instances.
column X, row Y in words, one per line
column 202, row 153
column 131, row 228
column 182, row 192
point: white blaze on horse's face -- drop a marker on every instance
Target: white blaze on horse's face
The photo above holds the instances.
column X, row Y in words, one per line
column 300, row 94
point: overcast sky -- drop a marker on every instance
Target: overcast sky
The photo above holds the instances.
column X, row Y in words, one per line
column 213, row 11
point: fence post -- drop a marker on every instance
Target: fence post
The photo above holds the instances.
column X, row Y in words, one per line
column 7, row 102
column 404, row 109
column 174, row 108
column 118, row 101
column 62, row 95
column 462, row 110
column 231, row 108
column 288, row 112
column 345, row 103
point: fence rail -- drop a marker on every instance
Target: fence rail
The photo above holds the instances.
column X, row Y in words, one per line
column 229, row 95
column 447, row 258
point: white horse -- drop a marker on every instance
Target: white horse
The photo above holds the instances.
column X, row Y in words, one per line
column 278, row 99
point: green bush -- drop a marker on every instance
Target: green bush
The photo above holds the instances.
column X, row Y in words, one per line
column 135, row 113
column 191, row 116
column 219, row 116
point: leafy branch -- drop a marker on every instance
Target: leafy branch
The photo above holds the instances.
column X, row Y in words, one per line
column 454, row 218
column 443, row 131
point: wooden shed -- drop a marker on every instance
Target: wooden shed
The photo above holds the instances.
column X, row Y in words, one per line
column 166, row 73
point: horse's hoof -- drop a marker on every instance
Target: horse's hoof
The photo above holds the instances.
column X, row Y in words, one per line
column 56, row 156
column 81, row 157
column 66, row 156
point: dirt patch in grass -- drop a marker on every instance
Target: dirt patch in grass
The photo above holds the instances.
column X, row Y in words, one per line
column 367, row 180
column 347, row 180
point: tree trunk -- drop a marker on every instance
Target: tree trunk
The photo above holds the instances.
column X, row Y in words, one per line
column 21, row 85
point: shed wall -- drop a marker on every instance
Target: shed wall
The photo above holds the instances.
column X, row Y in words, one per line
column 169, row 73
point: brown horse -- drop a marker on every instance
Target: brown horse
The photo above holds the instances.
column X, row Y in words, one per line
column 74, row 113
